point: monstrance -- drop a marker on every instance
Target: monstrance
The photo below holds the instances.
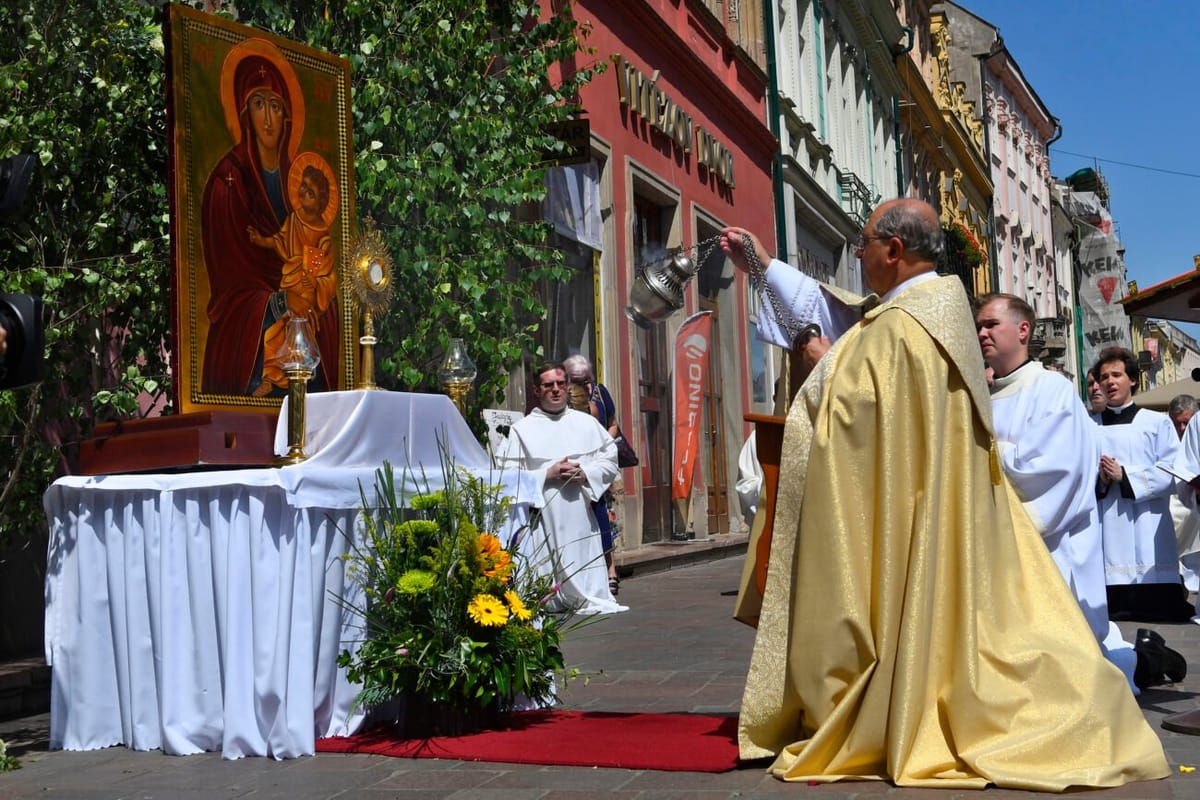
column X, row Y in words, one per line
column 370, row 279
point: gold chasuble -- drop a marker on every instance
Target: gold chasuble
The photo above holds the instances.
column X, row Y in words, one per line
column 913, row 626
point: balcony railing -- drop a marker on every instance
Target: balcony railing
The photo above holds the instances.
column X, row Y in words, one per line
column 856, row 197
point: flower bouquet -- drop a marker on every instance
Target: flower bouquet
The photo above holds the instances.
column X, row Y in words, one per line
column 455, row 618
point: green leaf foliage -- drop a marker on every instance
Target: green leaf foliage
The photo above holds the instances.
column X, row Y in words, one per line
column 82, row 84
column 451, row 103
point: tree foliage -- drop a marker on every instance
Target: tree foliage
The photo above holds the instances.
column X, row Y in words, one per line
column 451, row 103
column 83, row 89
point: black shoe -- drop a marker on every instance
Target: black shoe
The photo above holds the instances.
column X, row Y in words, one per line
column 1156, row 663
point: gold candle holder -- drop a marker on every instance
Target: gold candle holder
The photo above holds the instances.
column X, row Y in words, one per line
column 457, row 374
column 297, row 418
column 300, row 364
column 458, row 393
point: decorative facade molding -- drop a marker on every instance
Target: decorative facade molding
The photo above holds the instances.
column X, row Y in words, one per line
column 952, row 95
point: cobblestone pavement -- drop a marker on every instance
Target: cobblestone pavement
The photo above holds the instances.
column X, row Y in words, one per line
column 676, row 650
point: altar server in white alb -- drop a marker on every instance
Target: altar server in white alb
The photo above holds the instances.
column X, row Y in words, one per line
column 1187, row 468
column 574, row 460
column 1049, row 451
column 1141, row 562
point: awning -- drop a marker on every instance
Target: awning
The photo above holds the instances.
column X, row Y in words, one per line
column 1159, row 398
column 1175, row 299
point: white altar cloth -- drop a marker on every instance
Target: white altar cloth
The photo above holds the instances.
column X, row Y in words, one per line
column 204, row 611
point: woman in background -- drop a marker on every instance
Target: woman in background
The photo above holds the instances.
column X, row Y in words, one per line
column 599, row 405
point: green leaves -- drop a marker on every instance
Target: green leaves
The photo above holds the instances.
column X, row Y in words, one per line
column 84, row 89
column 451, row 98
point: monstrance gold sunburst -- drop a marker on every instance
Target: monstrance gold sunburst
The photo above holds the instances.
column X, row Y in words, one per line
column 370, row 279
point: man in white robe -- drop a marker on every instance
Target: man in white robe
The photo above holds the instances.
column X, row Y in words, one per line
column 1049, row 451
column 750, row 478
column 574, row 460
column 1141, row 561
column 1183, row 507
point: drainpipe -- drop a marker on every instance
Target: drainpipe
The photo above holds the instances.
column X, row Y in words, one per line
column 773, row 120
column 896, row 119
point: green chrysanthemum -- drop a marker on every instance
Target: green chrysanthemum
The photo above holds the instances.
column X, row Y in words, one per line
column 417, row 528
column 424, row 502
column 416, row 581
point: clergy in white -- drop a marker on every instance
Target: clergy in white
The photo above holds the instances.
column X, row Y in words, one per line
column 750, row 478
column 1181, row 409
column 574, row 460
column 1049, row 451
column 1137, row 446
column 1187, row 468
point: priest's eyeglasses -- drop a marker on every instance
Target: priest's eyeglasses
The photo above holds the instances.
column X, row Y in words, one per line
column 863, row 238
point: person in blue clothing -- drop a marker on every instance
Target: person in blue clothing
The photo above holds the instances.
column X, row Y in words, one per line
column 601, row 406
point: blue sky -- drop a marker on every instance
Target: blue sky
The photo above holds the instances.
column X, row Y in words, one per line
column 1122, row 78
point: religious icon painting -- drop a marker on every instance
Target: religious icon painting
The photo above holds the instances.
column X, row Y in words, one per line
column 262, row 210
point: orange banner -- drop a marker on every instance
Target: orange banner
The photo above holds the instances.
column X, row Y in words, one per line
column 691, row 365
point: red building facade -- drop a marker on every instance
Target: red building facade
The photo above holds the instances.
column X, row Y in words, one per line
column 679, row 148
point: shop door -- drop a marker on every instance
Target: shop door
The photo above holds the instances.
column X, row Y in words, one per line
column 654, row 384
column 714, row 281
column 655, row 404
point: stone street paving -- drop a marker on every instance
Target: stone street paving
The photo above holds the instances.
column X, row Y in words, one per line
column 676, row 650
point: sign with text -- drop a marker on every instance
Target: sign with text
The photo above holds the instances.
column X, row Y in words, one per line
column 691, row 366
column 1103, row 322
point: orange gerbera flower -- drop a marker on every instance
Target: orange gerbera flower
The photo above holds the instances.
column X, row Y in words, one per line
column 495, row 561
column 489, row 544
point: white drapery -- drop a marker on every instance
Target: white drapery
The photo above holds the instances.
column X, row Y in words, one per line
column 205, row 611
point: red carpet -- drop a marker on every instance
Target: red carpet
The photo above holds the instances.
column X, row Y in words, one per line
column 670, row 742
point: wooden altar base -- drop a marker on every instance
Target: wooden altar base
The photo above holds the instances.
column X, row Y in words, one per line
column 202, row 440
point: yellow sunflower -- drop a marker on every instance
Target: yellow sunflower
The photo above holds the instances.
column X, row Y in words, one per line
column 516, row 606
column 487, row 611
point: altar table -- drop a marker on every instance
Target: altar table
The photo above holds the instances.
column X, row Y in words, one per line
column 206, row 610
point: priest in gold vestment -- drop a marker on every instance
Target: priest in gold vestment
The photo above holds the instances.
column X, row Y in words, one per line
column 913, row 627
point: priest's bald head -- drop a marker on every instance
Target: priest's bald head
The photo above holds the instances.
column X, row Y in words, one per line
column 902, row 239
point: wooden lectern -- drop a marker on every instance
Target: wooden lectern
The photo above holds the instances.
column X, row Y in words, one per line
column 768, row 434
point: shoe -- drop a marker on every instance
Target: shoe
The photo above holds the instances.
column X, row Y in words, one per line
column 614, row 585
column 1174, row 665
column 1156, row 663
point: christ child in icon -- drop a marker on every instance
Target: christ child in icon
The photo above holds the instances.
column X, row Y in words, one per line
column 309, row 278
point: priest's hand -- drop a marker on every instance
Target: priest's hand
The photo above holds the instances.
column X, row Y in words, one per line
column 566, row 471
column 811, row 351
column 732, row 244
column 1110, row 470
